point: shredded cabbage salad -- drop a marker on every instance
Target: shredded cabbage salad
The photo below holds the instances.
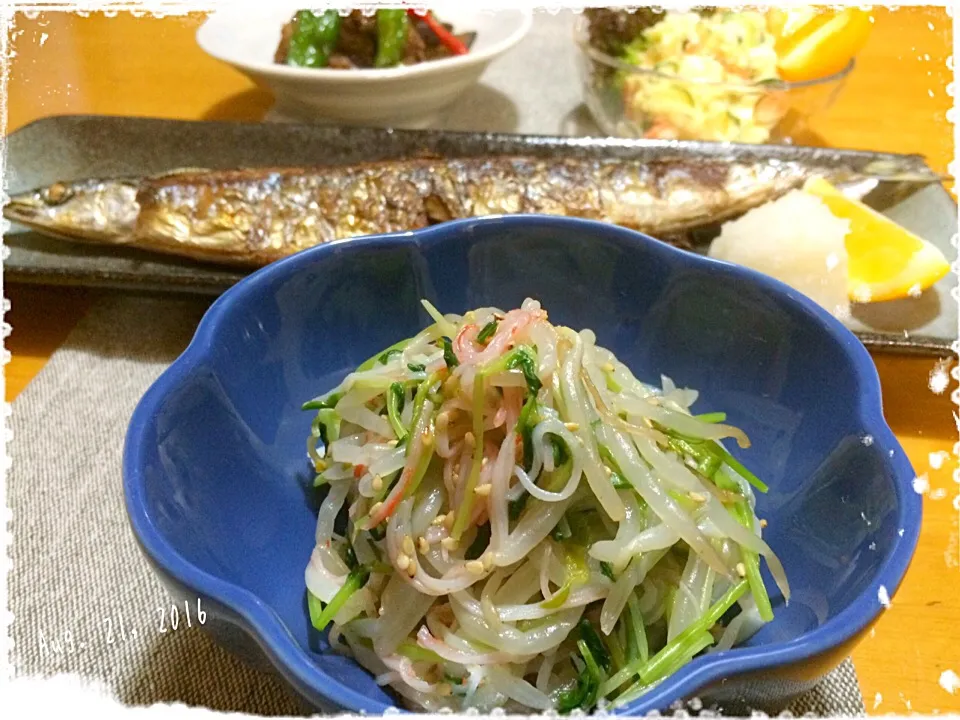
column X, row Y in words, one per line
column 528, row 526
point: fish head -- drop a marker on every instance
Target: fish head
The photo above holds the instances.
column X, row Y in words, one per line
column 103, row 211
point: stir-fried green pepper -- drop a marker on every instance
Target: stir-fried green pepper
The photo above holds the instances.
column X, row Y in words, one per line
column 392, row 29
column 314, row 38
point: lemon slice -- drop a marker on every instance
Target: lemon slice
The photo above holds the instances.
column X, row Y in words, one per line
column 886, row 262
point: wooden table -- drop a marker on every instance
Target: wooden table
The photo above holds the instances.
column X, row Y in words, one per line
column 896, row 100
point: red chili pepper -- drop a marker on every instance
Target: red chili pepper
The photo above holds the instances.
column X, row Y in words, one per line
column 359, row 470
column 452, row 43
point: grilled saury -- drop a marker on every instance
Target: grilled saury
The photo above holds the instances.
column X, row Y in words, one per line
column 255, row 216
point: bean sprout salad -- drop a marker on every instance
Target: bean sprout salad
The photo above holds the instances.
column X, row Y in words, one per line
column 527, row 525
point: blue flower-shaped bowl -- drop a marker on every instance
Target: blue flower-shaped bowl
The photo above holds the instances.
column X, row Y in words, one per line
column 215, row 471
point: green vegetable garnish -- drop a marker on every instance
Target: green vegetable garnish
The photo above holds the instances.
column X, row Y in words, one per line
column 329, row 401
column 416, row 367
column 320, row 618
column 584, row 693
column 525, row 359
column 487, row 332
column 593, row 641
column 448, row 355
column 673, row 651
column 700, row 450
column 637, row 645
column 607, row 569
column 527, row 421
column 394, row 408
column 751, row 561
column 326, row 426
column 371, row 362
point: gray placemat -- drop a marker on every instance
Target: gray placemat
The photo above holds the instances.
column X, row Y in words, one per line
column 84, row 599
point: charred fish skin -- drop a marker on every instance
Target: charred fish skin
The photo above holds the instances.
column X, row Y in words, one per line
column 263, row 215
column 255, row 216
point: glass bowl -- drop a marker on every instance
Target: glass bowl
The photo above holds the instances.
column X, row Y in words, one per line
column 633, row 102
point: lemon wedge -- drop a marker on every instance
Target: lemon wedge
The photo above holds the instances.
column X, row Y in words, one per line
column 886, row 262
column 818, row 44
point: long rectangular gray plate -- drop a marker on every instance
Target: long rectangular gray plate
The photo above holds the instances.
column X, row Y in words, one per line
column 74, row 147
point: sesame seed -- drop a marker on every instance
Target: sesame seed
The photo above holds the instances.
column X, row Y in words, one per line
column 403, row 561
column 448, row 544
column 741, row 569
column 381, row 611
column 697, row 496
column 423, row 544
column 483, row 463
column 449, row 520
column 408, row 546
column 468, row 438
column 475, row 567
column 572, row 426
column 483, row 490
column 487, row 560
column 438, row 520
column 412, row 568
column 608, row 367
column 377, row 483
column 393, row 443
column 763, row 523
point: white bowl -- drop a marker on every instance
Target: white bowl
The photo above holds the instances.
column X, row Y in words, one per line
column 407, row 96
